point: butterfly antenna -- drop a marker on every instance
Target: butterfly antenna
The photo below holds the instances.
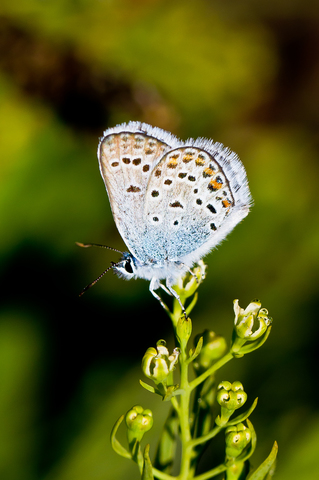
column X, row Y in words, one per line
column 86, row 245
column 98, row 278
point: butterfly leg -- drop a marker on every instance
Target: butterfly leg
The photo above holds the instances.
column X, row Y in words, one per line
column 169, row 285
column 155, row 285
column 183, row 265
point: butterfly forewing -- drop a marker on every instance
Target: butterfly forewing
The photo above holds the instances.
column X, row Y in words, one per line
column 126, row 161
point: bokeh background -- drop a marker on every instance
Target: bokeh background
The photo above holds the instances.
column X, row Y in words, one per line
column 243, row 73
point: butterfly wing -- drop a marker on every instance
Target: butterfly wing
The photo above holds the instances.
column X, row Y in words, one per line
column 127, row 155
column 195, row 196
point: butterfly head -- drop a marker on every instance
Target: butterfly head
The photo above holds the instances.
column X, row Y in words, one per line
column 126, row 267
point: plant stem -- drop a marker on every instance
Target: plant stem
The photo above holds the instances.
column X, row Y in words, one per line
column 188, row 444
column 225, row 359
column 211, row 473
column 161, row 475
column 184, row 419
column 205, row 438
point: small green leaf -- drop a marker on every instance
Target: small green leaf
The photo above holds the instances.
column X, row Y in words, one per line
column 172, row 391
column 192, row 304
column 266, row 469
column 243, row 416
column 147, row 387
column 147, row 466
column 194, row 353
column 137, row 456
column 117, row 447
column 250, row 347
column 135, row 450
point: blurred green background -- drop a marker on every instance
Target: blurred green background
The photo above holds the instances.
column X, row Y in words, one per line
column 243, row 73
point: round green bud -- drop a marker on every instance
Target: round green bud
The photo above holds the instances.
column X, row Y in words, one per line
column 138, row 421
column 237, row 437
column 231, row 395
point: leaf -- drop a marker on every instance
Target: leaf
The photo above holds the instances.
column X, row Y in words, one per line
column 147, row 387
column 266, row 469
column 253, row 436
column 244, row 415
column 250, row 347
column 196, row 352
column 192, row 304
column 147, row 466
column 137, row 456
column 172, row 391
column 253, row 442
column 117, row 447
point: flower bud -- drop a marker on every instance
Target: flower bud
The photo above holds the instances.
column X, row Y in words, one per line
column 188, row 284
column 214, row 347
column 138, row 422
column 183, row 330
column 230, row 397
column 250, row 325
column 237, row 437
column 158, row 364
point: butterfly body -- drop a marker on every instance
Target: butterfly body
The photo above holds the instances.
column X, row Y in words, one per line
column 172, row 201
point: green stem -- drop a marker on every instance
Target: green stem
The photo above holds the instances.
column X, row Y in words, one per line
column 211, row 473
column 182, row 407
column 205, row 438
column 161, row 475
column 184, row 419
column 176, row 313
column 175, row 405
column 225, row 359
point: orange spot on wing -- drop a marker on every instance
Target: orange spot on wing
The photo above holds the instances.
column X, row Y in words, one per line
column 172, row 163
column 200, row 161
column 208, row 172
column 214, row 185
column 226, row 203
column 188, row 157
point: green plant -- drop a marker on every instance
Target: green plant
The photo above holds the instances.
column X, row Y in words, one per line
column 191, row 417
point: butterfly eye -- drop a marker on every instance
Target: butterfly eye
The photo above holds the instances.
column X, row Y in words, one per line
column 128, row 267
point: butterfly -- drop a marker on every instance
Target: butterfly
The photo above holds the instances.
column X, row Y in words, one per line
column 172, row 201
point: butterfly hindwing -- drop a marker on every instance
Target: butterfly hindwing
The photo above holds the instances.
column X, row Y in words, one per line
column 189, row 203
